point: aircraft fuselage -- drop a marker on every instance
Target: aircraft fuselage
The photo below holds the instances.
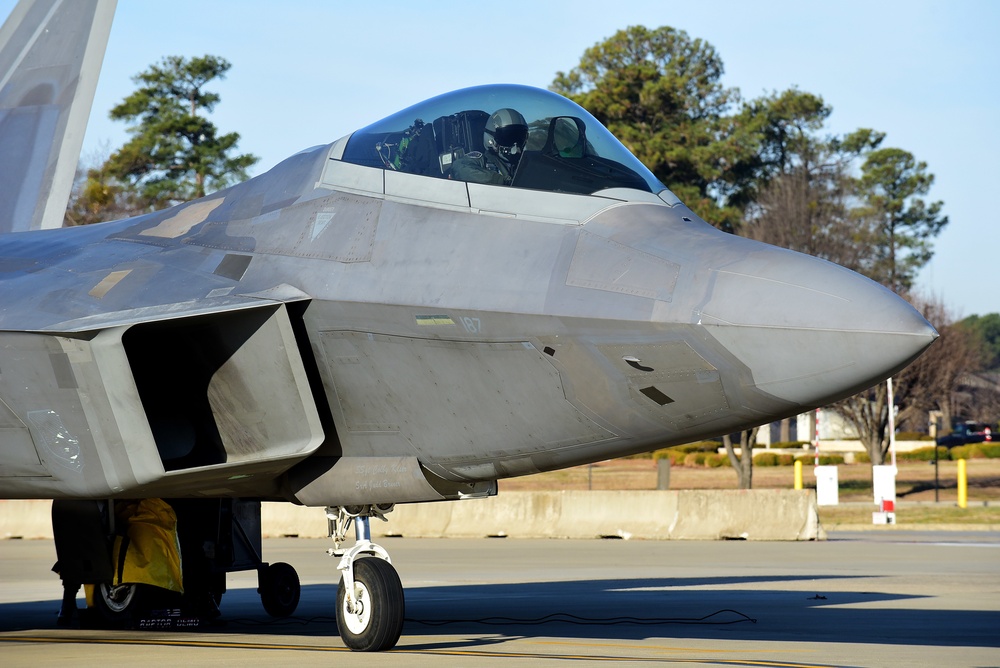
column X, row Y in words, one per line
column 399, row 337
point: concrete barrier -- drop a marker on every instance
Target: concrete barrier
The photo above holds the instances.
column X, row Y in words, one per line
column 287, row 519
column 32, row 519
column 25, row 518
column 650, row 515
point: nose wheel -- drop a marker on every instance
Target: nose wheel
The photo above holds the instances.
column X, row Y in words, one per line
column 370, row 602
column 374, row 620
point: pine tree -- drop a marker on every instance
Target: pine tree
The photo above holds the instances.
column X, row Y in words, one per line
column 175, row 153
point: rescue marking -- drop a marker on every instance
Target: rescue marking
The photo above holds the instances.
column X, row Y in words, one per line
column 108, row 282
column 181, row 223
column 434, row 320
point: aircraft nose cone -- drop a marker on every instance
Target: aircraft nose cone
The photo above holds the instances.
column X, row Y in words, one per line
column 810, row 331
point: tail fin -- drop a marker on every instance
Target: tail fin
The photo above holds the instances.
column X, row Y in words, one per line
column 50, row 57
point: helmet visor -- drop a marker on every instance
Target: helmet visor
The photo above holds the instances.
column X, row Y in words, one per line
column 509, row 135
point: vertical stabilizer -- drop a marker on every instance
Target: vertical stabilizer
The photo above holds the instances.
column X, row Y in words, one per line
column 50, row 57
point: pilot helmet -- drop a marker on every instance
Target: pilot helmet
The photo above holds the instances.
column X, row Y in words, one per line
column 505, row 132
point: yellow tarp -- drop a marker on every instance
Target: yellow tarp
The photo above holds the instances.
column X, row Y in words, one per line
column 153, row 553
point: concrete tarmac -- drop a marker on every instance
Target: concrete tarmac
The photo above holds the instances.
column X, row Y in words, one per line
column 859, row 599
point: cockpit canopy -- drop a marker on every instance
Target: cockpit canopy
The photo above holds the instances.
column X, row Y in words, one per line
column 566, row 150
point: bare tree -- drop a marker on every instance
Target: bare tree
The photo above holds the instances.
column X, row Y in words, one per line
column 927, row 384
column 937, row 375
column 977, row 396
column 787, row 212
column 807, row 209
column 97, row 197
column 742, row 463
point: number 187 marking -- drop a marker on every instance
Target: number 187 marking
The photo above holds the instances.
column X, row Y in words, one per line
column 472, row 325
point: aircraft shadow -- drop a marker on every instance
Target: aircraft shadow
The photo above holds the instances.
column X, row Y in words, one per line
column 764, row 608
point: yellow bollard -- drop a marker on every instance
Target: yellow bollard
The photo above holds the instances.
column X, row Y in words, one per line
column 963, row 485
column 798, row 474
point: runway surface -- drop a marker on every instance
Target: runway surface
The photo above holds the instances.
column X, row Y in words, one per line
column 859, row 599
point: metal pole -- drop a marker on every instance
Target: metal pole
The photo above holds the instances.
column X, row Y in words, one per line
column 936, row 484
column 663, row 473
column 362, row 529
column 932, row 427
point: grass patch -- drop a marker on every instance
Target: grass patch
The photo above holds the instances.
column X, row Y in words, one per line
column 830, row 516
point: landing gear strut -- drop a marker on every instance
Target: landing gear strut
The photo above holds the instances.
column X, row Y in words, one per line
column 370, row 603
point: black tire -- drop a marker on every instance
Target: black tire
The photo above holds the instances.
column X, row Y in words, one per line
column 379, row 623
column 217, row 588
column 120, row 606
column 279, row 589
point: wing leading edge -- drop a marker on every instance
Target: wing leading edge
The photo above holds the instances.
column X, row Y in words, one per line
column 50, row 58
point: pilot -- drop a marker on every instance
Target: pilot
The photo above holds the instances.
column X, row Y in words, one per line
column 504, row 136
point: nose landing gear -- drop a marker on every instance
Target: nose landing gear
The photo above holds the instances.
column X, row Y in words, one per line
column 370, row 602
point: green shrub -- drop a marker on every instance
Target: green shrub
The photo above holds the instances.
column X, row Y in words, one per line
column 694, row 459
column 959, row 452
column 699, row 446
column 862, row 457
column 991, row 450
column 790, row 445
column 972, row 451
column 922, row 454
column 715, row 460
column 675, row 456
column 824, row 460
column 710, row 459
column 679, row 454
column 766, row 459
column 786, row 460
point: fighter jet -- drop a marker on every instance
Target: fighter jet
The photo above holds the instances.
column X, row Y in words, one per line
column 484, row 285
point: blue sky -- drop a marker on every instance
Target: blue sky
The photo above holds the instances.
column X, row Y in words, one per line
column 308, row 72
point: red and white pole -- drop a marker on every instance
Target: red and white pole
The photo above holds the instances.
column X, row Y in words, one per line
column 816, row 439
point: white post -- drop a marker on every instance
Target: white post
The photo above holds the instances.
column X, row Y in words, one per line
column 827, row 488
column 884, row 477
column 892, row 423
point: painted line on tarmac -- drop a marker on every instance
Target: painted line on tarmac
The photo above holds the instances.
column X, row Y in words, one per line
column 209, row 644
column 166, row 643
column 707, row 660
column 672, row 648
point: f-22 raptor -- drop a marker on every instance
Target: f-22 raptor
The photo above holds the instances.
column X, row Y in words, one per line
column 484, row 285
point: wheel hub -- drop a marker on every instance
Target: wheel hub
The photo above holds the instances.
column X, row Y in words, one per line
column 358, row 618
column 118, row 598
